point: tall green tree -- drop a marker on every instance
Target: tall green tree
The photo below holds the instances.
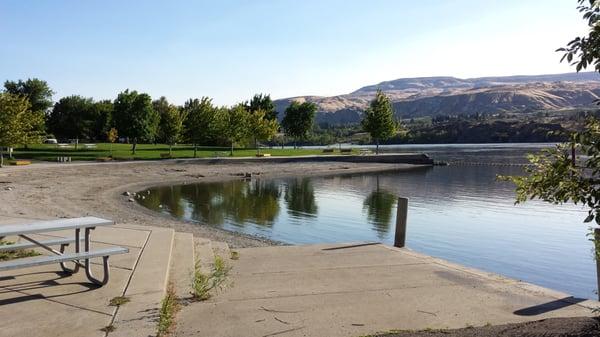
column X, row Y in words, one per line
column 19, row 124
column 38, row 92
column 80, row 117
column 135, row 117
column 203, row 122
column 261, row 127
column 72, row 117
column 102, row 121
column 263, row 103
column 235, row 125
column 170, row 127
column 299, row 119
column 378, row 119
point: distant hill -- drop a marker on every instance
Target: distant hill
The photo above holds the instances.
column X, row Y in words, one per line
column 431, row 96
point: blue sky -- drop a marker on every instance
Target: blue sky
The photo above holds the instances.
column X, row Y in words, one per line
column 230, row 50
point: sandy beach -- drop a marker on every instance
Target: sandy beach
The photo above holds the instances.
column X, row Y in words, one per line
column 48, row 190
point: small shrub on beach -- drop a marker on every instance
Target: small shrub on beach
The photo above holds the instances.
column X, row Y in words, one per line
column 203, row 284
column 168, row 308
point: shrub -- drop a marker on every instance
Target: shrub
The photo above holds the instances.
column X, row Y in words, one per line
column 168, row 308
column 203, row 283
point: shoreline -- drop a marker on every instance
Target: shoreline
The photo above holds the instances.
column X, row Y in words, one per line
column 43, row 191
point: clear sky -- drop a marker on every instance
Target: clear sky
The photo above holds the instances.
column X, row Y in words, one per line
column 230, row 50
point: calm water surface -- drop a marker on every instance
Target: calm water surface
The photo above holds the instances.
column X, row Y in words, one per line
column 459, row 213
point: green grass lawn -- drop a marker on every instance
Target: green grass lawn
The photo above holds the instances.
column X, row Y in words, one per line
column 49, row 152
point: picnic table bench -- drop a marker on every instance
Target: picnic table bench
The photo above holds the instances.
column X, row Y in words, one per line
column 77, row 224
column 219, row 154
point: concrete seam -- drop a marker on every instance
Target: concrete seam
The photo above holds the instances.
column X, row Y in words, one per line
column 116, row 311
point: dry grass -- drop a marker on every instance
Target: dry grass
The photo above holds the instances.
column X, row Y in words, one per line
column 117, row 301
column 15, row 254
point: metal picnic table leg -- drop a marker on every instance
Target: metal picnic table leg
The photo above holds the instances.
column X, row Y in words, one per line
column 77, row 263
column 54, row 251
column 88, row 266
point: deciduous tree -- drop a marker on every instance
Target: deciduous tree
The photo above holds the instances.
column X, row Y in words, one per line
column 299, row 119
column 261, row 127
column 235, row 125
column 202, row 122
column 557, row 175
column 379, row 120
column 584, row 51
column 263, row 102
column 135, row 117
column 18, row 123
column 38, row 92
column 101, row 117
column 71, row 118
column 171, row 122
column 79, row 117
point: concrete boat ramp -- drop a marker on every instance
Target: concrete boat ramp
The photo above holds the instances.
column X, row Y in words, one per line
column 329, row 290
column 360, row 289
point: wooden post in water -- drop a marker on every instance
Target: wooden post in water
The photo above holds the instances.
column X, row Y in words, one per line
column 400, row 238
column 596, row 254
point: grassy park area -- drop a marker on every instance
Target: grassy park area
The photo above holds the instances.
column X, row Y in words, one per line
column 49, row 152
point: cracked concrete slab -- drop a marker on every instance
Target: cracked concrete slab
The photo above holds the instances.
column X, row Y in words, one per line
column 358, row 289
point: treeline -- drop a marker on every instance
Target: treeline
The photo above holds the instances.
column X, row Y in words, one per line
column 28, row 115
column 473, row 131
column 474, row 128
column 135, row 117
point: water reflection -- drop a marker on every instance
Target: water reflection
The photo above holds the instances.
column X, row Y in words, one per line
column 300, row 198
column 379, row 206
column 218, row 203
column 168, row 198
column 459, row 213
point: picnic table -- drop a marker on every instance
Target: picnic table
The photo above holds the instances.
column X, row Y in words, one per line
column 87, row 224
column 219, row 154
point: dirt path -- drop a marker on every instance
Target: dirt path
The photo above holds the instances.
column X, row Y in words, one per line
column 42, row 191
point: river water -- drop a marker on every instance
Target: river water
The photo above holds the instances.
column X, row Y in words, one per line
column 460, row 213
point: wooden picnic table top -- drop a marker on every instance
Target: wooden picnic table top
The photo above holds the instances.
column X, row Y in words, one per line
column 53, row 225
